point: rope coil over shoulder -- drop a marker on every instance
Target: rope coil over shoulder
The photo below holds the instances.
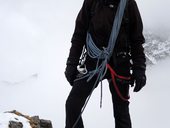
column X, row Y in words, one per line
column 94, row 52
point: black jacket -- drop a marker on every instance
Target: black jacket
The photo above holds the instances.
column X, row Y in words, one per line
column 98, row 21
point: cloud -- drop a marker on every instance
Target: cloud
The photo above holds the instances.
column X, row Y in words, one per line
column 155, row 14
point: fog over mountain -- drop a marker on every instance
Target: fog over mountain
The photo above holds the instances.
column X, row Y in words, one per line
column 155, row 16
column 34, row 44
column 156, row 28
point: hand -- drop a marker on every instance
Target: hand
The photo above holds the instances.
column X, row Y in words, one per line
column 70, row 73
column 139, row 79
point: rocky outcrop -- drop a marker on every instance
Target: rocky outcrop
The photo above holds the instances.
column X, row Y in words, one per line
column 13, row 124
column 34, row 121
column 156, row 47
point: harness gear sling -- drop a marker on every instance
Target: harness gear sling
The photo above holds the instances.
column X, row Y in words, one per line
column 114, row 75
column 103, row 55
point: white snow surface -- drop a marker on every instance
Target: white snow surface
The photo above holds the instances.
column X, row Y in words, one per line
column 34, row 45
column 6, row 117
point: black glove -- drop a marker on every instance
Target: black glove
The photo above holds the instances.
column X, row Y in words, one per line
column 139, row 79
column 71, row 71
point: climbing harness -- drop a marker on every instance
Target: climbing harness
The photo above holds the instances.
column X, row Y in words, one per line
column 102, row 56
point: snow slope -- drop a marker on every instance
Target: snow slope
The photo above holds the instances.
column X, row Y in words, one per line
column 34, row 44
column 149, row 108
column 6, row 117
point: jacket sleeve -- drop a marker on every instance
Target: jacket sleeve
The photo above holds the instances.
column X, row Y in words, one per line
column 79, row 36
column 136, row 37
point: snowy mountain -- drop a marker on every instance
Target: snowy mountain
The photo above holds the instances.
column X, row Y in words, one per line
column 34, row 44
column 156, row 47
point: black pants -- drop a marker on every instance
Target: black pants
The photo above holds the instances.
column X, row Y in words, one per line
column 77, row 97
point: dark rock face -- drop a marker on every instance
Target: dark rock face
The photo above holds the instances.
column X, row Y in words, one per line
column 40, row 123
column 13, row 124
column 45, row 124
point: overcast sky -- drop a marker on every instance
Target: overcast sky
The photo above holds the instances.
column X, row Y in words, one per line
column 34, row 43
column 155, row 15
column 33, row 25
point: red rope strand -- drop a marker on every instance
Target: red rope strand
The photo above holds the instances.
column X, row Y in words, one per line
column 114, row 75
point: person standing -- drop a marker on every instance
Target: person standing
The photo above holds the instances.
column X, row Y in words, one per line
column 94, row 24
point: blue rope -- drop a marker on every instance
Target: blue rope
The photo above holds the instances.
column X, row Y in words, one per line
column 94, row 52
column 105, row 54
